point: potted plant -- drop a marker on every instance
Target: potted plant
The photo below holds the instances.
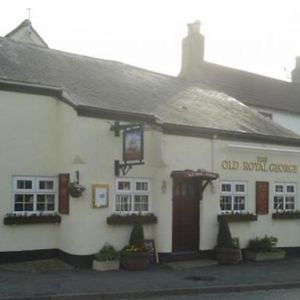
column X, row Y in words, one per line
column 260, row 249
column 132, row 218
column 76, row 189
column 238, row 217
column 227, row 252
column 106, row 259
column 136, row 256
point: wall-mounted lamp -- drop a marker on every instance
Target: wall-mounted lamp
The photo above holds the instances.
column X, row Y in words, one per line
column 164, row 186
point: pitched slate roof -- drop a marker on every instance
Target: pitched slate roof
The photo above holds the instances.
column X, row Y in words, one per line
column 252, row 89
column 114, row 86
column 26, row 24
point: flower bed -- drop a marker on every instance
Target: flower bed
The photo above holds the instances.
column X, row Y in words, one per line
column 31, row 219
column 238, row 217
column 286, row 215
column 116, row 219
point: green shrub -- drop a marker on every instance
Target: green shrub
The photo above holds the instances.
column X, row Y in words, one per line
column 265, row 244
column 137, row 235
column 107, row 252
column 224, row 239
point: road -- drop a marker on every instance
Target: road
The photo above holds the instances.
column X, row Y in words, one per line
column 291, row 294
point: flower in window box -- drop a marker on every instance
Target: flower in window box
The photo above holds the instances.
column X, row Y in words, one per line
column 13, row 218
column 76, row 189
column 131, row 218
column 286, row 214
column 238, row 216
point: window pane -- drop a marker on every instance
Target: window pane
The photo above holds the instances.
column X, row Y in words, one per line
column 225, row 203
column 45, row 202
column 23, row 202
column 239, row 203
column 290, row 202
column 279, row 188
column 278, row 202
column 124, row 186
column 226, row 187
column 141, row 203
column 46, row 184
column 141, row 186
column 24, row 184
column 290, row 189
column 240, row 188
column 123, row 203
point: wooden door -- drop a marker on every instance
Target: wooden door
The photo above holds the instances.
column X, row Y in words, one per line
column 185, row 215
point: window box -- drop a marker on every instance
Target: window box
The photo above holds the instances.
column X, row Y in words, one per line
column 286, row 215
column 236, row 217
column 31, row 219
column 116, row 219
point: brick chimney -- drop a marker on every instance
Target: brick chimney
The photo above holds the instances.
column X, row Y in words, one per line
column 296, row 71
column 192, row 51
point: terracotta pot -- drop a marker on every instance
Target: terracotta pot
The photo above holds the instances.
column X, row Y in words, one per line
column 135, row 260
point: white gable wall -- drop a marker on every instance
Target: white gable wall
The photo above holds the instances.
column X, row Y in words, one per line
column 28, row 138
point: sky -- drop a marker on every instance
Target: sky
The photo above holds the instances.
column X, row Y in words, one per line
column 260, row 36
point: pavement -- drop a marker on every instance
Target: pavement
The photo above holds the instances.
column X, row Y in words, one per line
column 58, row 281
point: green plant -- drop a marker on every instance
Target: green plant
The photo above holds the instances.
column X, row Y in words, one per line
column 107, row 252
column 137, row 236
column 265, row 244
column 224, row 239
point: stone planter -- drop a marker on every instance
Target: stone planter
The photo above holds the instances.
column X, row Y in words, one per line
column 135, row 261
column 263, row 256
column 228, row 256
column 108, row 265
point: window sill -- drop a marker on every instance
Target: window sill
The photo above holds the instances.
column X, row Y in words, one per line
column 247, row 217
column 116, row 219
column 33, row 219
column 287, row 215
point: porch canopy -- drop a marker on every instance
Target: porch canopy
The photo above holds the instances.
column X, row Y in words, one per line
column 200, row 173
column 204, row 176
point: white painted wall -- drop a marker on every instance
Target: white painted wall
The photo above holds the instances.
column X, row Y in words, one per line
column 40, row 135
column 28, row 138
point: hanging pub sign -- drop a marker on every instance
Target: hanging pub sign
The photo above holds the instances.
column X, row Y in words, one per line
column 133, row 144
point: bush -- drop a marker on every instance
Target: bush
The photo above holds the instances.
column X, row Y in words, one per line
column 224, row 239
column 265, row 244
column 137, row 235
column 107, row 252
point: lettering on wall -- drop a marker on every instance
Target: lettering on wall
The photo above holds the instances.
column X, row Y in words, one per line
column 261, row 165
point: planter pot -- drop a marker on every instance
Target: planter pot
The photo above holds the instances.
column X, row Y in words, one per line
column 263, row 256
column 135, row 260
column 108, row 265
column 76, row 190
column 228, row 256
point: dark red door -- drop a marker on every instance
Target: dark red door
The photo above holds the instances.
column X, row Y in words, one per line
column 185, row 215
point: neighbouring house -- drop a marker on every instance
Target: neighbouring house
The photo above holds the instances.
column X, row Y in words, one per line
column 276, row 99
column 171, row 153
